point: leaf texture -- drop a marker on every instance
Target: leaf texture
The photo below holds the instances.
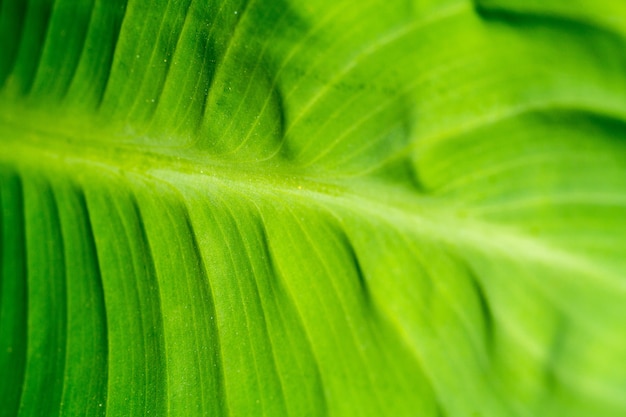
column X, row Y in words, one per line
column 246, row 208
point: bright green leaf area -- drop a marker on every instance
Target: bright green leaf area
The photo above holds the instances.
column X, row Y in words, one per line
column 313, row 208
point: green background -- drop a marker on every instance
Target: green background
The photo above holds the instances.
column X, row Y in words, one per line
column 313, row 208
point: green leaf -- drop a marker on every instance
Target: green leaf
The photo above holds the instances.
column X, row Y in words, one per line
column 316, row 208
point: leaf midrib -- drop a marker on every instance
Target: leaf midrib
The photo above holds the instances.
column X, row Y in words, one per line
column 395, row 204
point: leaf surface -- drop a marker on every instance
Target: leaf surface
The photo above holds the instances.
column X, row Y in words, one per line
column 278, row 208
